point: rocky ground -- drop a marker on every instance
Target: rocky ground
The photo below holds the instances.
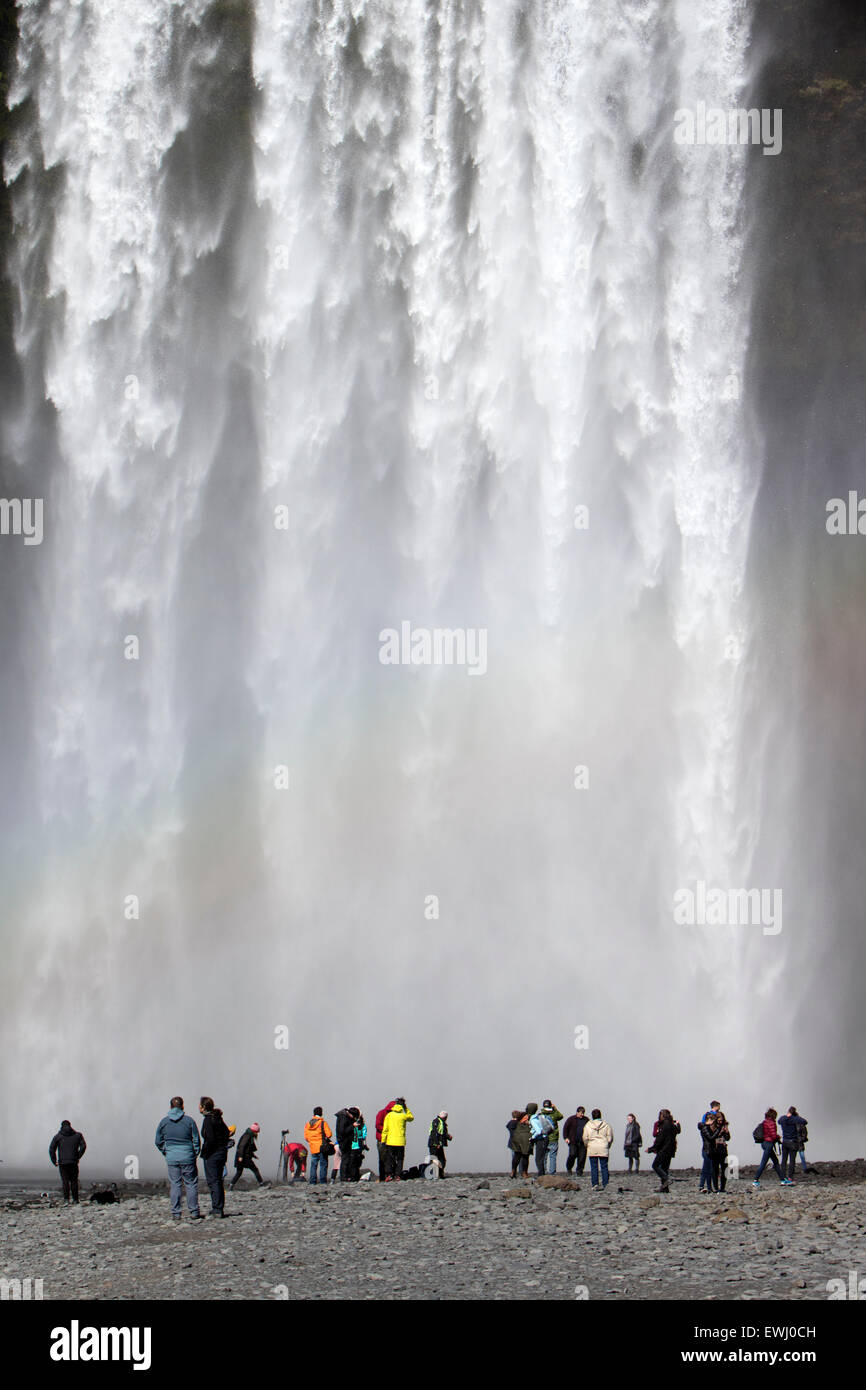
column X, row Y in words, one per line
column 482, row 1237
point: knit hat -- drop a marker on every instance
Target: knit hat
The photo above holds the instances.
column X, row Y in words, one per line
column 254, row 1128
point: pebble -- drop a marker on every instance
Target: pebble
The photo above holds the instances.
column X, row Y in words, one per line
column 478, row 1236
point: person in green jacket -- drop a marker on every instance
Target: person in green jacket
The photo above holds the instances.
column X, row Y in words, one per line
column 554, row 1115
column 438, row 1140
column 519, row 1142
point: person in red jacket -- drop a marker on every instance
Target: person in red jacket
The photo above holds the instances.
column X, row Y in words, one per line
column 380, row 1120
column 768, row 1144
column 295, row 1161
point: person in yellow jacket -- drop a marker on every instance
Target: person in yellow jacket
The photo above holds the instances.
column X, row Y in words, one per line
column 394, row 1138
column 317, row 1133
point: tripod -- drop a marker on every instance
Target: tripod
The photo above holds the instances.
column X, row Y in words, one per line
column 283, row 1161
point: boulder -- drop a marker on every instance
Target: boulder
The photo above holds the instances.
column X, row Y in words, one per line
column 730, row 1214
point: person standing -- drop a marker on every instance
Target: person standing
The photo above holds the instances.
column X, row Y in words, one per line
column 551, row 1113
column 214, row 1152
column 598, row 1137
column 394, row 1137
column 802, row 1137
column 519, row 1142
column 177, row 1139
column 540, row 1127
column 317, row 1133
column 245, row 1158
column 632, row 1142
column 380, row 1147
column 66, row 1149
column 344, row 1128
column 359, row 1143
column 664, row 1147
column 720, row 1155
column 768, row 1137
column 572, row 1133
column 790, row 1143
column 438, row 1140
column 708, row 1130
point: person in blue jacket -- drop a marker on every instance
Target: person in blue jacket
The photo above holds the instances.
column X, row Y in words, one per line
column 790, row 1124
column 178, row 1141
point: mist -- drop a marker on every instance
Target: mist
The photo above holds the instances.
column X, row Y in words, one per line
column 327, row 320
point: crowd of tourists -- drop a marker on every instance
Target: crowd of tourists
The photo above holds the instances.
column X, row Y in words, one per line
column 331, row 1154
column 535, row 1132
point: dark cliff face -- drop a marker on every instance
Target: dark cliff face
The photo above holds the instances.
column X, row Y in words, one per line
column 807, row 374
column 8, row 37
column 810, row 201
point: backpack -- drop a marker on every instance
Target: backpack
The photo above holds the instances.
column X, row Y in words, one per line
column 802, row 1132
column 545, row 1124
column 758, row 1133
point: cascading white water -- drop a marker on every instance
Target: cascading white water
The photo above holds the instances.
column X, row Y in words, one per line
column 442, row 279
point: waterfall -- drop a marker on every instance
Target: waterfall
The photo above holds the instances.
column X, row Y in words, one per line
column 334, row 316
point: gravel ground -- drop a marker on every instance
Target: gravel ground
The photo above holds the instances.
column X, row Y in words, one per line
column 482, row 1237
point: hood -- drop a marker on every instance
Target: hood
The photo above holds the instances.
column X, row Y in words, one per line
column 397, row 1110
column 66, row 1128
column 175, row 1113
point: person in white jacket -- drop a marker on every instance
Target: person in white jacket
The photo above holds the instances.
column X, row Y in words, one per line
column 598, row 1137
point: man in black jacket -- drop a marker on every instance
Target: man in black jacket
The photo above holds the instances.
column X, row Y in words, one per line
column 65, row 1149
column 345, row 1133
column 572, row 1133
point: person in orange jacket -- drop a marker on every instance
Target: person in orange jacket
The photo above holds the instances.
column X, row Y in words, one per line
column 317, row 1133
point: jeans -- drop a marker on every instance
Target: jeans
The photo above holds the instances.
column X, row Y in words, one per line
column 214, row 1167
column 594, row 1165
column 540, row 1152
column 768, row 1156
column 803, row 1161
column 552, row 1150
column 318, row 1169
column 184, row 1175
column 69, row 1178
column 789, row 1160
column 707, row 1171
